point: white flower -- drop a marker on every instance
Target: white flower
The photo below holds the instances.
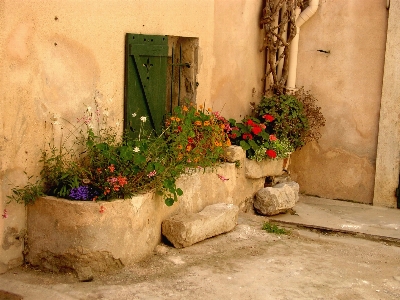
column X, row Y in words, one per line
column 117, row 124
column 143, row 119
column 88, row 108
column 90, row 125
column 106, row 113
column 134, row 115
column 136, row 149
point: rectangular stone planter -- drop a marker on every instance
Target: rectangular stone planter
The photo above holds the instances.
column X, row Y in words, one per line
column 65, row 235
column 270, row 167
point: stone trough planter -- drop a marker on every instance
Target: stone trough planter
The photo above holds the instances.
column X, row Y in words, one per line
column 93, row 237
column 65, row 235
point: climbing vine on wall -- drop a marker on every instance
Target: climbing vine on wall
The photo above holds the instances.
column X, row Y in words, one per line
column 279, row 22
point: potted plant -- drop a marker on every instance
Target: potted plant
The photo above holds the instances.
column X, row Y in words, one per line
column 277, row 126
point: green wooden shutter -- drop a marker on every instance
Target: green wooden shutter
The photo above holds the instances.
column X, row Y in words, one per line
column 145, row 82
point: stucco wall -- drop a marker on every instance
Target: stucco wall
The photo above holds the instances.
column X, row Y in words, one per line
column 348, row 84
column 57, row 56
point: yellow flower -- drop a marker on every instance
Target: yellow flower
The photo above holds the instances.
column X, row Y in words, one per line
column 188, row 148
column 198, row 123
column 177, row 119
column 201, row 106
column 228, row 142
column 209, row 109
column 179, row 147
column 180, row 156
column 185, row 108
column 173, row 118
column 197, row 113
column 222, row 126
column 206, row 123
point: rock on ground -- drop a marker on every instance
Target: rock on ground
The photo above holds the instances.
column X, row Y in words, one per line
column 184, row 230
column 278, row 199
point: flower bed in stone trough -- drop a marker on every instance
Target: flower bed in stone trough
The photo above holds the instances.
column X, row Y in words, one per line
column 92, row 237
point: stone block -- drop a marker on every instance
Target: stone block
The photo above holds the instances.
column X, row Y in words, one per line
column 270, row 167
column 184, row 230
column 278, row 199
column 234, row 153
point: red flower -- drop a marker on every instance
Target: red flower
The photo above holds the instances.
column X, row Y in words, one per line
column 233, row 136
column 271, row 153
column 251, row 123
column 247, row 136
column 180, row 128
column 190, row 140
column 256, row 129
column 268, row 117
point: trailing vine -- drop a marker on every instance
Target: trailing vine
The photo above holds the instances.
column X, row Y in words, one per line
column 279, row 22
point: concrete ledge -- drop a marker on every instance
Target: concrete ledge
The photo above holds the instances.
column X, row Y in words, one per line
column 184, row 230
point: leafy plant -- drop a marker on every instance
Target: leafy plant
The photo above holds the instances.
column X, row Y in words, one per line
column 316, row 119
column 28, row 193
column 197, row 136
column 289, row 119
column 94, row 162
column 272, row 228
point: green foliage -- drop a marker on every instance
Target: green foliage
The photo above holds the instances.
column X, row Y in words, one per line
column 290, row 121
column 27, row 194
column 272, row 228
column 95, row 162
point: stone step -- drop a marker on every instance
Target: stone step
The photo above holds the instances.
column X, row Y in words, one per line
column 184, row 230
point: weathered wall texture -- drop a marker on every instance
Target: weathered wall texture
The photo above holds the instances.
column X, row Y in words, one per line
column 348, row 84
column 58, row 56
column 388, row 156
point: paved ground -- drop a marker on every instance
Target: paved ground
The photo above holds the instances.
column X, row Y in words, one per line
column 373, row 222
column 249, row 263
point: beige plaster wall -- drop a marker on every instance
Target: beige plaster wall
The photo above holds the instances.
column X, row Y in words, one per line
column 239, row 64
column 58, row 56
column 348, row 84
column 388, row 155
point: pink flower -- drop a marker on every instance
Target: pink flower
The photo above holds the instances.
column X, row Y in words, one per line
column 102, row 209
column 222, row 177
column 268, row 117
column 272, row 137
column 271, row 153
column 111, row 168
column 152, row 173
column 5, row 214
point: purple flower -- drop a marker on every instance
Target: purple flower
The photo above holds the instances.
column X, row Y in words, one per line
column 82, row 192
